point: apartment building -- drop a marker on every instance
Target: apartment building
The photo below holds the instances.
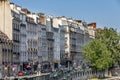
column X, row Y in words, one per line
column 10, row 26
column 56, row 55
column 23, row 46
column 91, row 29
column 31, row 40
column 16, row 35
column 64, row 23
column 50, row 45
column 5, row 18
column 6, row 54
column 40, row 38
column 82, row 39
column 76, row 35
column 42, row 44
column 59, row 44
column 19, row 27
column 56, row 37
column 62, row 31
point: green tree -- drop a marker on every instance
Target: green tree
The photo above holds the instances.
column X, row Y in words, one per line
column 97, row 54
column 111, row 39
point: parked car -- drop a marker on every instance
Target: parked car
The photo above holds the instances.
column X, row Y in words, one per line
column 20, row 73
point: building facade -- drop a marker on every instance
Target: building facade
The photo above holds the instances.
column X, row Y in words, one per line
column 92, row 29
column 23, row 35
column 5, row 18
column 76, row 35
column 6, row 55
column 39, row 38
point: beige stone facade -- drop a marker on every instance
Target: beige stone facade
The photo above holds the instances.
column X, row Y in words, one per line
column 91, row 29
column 5, row 18
column 42, row 18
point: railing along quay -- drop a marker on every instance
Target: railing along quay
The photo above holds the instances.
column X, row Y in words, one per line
column 38, row 76
column 76, row 74
column 66, row 74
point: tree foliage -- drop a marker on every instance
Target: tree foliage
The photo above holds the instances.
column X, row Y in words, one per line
column 103, row 51
column 97, row 54
column 111, row 39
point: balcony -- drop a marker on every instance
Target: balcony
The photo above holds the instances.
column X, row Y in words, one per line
column 18, row 41
column 16, row 18
column 23, row 25
column 50, row 39
column 44, row 29
column 73, row 52
column 16, row 29
column 16, row 53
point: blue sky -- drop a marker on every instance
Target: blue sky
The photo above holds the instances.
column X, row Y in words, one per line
column 103, row 12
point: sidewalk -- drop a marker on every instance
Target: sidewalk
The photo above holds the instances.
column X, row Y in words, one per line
column 112, row 78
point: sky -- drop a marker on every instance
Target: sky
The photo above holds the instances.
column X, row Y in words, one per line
column 106, row 13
